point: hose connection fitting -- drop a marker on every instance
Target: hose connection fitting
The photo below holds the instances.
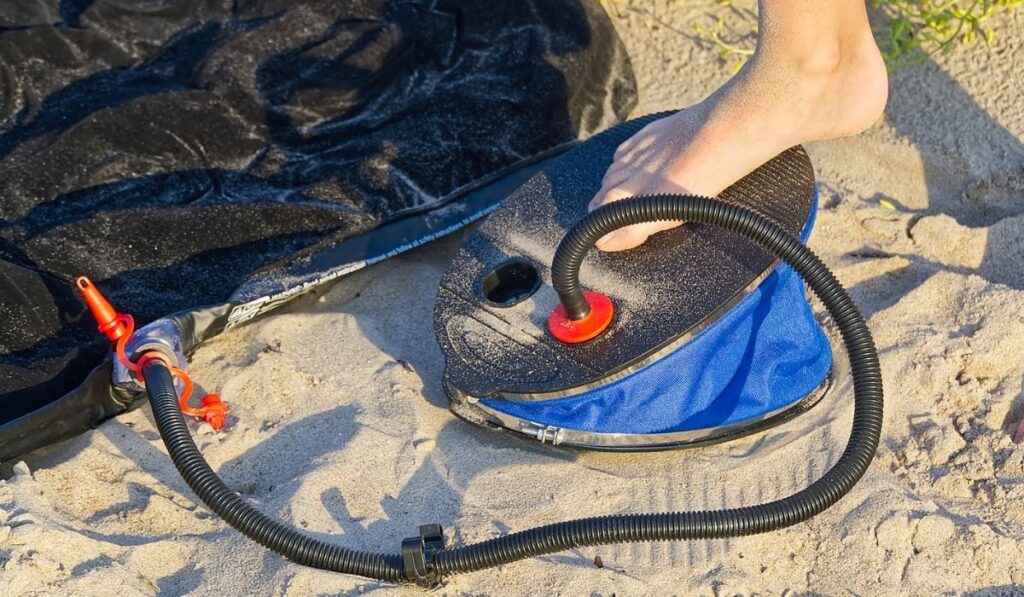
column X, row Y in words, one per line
column 597, row 314
column 156, row 341
column 418, row 556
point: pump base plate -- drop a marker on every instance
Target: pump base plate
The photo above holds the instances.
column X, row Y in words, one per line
column 468, row 408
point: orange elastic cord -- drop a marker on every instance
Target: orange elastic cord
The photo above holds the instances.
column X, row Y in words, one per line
column 213, row 411
column 186, row 393
column 129, row 324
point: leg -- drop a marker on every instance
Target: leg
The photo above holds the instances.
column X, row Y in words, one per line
column 816, row 74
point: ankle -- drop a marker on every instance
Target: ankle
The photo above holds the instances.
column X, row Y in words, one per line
column 816, row 57
column 823, row 60
column 810, row 38
column 836, row 90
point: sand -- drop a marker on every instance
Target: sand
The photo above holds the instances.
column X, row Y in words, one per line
column 341, row 426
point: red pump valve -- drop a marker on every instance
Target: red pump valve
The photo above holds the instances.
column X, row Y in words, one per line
column 118, row 328
column 111, row 323
column 214, row 411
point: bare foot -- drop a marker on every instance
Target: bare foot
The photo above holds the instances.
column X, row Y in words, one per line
column 768, row 107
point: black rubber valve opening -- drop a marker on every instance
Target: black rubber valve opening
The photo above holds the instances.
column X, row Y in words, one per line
column 511, row 283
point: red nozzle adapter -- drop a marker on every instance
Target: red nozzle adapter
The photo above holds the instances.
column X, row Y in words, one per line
column 215, row 412
column 589, row 327
column 111, row 323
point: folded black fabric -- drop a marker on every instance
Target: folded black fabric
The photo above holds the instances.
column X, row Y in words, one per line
column 206, row 153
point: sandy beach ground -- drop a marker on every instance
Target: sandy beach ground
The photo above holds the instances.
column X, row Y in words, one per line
column 340, row 422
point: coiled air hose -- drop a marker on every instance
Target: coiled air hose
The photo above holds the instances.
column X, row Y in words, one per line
column 425, row 561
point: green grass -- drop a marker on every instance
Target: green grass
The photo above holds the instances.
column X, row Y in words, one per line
column 913, row 30
column 908, row 31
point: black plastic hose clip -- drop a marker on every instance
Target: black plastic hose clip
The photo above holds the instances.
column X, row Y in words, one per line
column 418, row 556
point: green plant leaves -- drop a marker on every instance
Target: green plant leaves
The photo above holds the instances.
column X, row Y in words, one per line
column 908, row 31
column 916, row 29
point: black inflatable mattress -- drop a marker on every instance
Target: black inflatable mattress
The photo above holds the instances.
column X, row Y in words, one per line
column 208, row 160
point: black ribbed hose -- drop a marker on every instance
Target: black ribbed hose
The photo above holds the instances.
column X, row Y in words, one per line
column 867, row 425
column 277, row 536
